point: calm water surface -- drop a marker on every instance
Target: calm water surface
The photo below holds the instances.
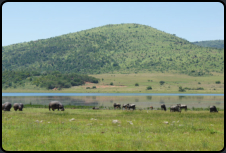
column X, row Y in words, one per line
column 142, row 100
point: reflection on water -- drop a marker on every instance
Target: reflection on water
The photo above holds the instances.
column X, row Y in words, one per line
column 192, row 97
column 149, row 97
column 139, row 101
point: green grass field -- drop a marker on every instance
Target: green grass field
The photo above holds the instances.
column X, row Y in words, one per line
column 38, row 129
column 125, row 83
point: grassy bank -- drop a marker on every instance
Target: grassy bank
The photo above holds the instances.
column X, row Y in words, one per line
column 125, row 83
column 39, row 129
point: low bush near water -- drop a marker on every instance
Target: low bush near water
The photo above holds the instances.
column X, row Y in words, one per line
column 149, row 88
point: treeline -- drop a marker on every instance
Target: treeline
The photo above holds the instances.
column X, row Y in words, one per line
column 48, row 80
column 210, row 43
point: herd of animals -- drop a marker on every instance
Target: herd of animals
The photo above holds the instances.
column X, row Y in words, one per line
column 176, row 108
column 53, row 104
column 57, row 105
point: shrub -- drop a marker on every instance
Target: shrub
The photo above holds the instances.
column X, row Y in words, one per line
column 87, row 87
column 74, row 83
column 199, row 83
column 161, row 82
column 111, row 83
column 67, row 85
column 115, row 64
column 217, row 82
column 95, row 81
column 200, row 88
column 94, row 87
column 136, row 84
column 50, row 86
column 181, row 89
column 149, row 88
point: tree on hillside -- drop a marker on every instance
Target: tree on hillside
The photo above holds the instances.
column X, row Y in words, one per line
column 217, row 82
column 149, row 88
column 181, row 89
column 161, row 82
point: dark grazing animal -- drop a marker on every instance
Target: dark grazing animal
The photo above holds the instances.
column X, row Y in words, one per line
column 182, row 106
column 124, row 106
column 128, row 106
column 6, row 106
column 133, row 106
column 213, row 109
column 163, row 106
column 56, row 105
column 175, row 108
column 151, row 107
column 116, row 105
column 19, row 106
column 95, row 107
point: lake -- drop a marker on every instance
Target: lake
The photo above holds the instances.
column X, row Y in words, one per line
column 141, row 100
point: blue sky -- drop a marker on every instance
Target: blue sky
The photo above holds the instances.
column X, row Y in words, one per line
column 193, row 21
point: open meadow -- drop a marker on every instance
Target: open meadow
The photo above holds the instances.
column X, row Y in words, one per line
column 38, row 129
column 125, row 83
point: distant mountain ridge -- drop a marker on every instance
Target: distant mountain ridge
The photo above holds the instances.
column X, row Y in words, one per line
column 114, row 48
column 210, row 43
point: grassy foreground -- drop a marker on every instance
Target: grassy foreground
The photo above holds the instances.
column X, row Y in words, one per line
column 125, row 83
column 37, row 129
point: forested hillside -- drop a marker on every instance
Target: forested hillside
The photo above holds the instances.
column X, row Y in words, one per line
column 210, row 43
column 118, row 48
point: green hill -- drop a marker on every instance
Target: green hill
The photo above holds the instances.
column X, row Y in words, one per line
column 119, row 48
column 210, row 43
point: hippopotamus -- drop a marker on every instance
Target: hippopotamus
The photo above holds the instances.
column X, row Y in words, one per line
column 116, row 105
column 56, row 105
column 6, row 106
column 163, row 106
column 213, row 109
column 19, row 106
